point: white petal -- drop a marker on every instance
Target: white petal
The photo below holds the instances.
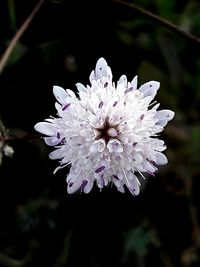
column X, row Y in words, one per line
column 60, row 94
column 162, row 123
column 74, row 185
column 56, row 154
column 160, row 158
column 114, row 146
column 52, row 141
column 70, row 93
column 133, row 186
column 81, row 87
column 46, row 128
column 101, row 68
column 109, row 73
column 149, row 88
column 134, row 82
column 98, row 146
column 88, row 186
column 92, row 76
column 165, row 114
column 123, row 80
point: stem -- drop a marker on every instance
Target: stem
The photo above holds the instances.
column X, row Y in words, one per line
column 18, row 35
column 167, row 24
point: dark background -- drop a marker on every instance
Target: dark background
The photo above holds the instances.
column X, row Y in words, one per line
column 40, row 225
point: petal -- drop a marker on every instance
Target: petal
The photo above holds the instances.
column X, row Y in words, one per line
column 46, row 128
column 134, row 186
column 160, row 158
column 60, row 94
column 161, row 123
column 81, row 87
column 123, row 80
column 109, row 73
column 52, row 141
column 70, row 93
column 74, row 185
column 165, row 114
column 115, row 146
column 98, row 146
column 101, row 68
column 134, row 82
column 88, row 186
column 92, row 76
column 149, row 88
column 56, row 154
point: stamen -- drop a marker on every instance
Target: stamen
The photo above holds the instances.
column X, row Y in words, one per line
column 100, row 169
column 106, row 84
column 63, row 141
column 101, row 104
column 66, row 106
column 70, row 184
column 128, row 90
column 115, row 103
column 142, row 117
column 116, row 177
column 85, row 182
column 58, row 135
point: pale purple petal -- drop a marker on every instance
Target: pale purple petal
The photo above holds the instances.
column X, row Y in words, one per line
column 160, row 158
column 101, row 68
column 134, row 83
column 60, row 94
column 52, row 141
column 150, row 88
column 46, row 128
column 123, row 80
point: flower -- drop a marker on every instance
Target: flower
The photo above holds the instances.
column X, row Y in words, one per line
column 109, row 134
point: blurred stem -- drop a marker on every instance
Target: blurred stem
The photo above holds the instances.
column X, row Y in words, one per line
column 17, row 36
column 10, row 262
column 12, row 15
column 2, row 130
column 167, row 24
column 63, row 256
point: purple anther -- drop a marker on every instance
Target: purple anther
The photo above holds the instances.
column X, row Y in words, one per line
column 115, row 103
column 151, row 173
column 106, row 84
column 100, row 169
column 70, row 184
column 116, row 177
column 66, row 106
column 58, row 135
column 101, row 104
column 142, row 117
column 152, row 162
column 85, row 182
column 62, row 142
column 134, row 144
column 128, row 90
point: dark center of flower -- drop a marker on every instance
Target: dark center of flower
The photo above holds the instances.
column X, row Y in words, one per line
column 107, row 132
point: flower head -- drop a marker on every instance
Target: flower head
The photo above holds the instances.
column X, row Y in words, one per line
column 109, row 134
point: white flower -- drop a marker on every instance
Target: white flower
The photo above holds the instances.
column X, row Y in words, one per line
column 108, row 134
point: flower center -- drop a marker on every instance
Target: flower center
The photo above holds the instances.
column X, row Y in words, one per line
column 106, row 132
